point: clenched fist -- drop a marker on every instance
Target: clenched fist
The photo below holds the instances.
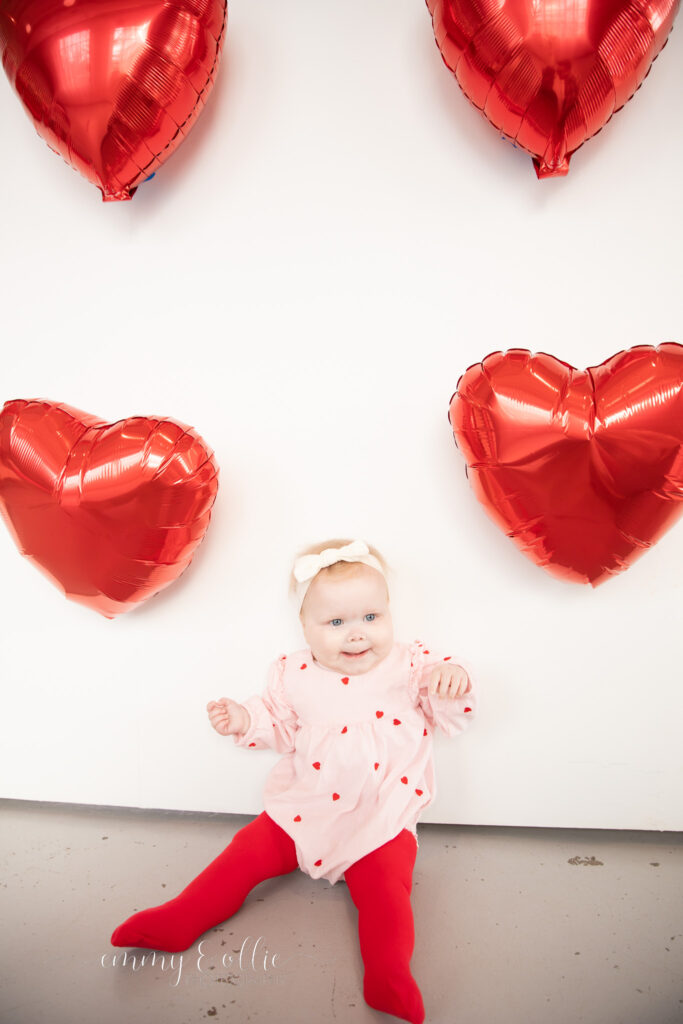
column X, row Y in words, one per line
column 228, row 717
column 449, row 681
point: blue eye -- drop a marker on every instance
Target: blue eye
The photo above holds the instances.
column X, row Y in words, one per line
column 371, row 617
column 336, row 622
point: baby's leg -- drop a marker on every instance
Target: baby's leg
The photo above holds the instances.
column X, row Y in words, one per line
column 380, row 885
column 258, row 851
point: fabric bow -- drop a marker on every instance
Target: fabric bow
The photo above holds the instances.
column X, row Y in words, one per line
column 308, row 566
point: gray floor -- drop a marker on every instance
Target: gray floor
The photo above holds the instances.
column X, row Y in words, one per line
column 513, row 926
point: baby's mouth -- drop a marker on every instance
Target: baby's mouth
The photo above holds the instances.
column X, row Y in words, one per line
column 355, row 654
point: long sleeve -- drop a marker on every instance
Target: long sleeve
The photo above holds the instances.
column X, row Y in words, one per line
column 451, row 715
column 274, row 723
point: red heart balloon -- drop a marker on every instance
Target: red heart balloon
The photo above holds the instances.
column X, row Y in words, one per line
column 114, row 86
column 112, row 513
column 582, row 468
column 550, row 74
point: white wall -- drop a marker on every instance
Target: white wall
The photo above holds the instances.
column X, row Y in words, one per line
column 304, row 282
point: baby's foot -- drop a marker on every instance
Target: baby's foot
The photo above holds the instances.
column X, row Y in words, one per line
column 397, row 994
column 165, row 928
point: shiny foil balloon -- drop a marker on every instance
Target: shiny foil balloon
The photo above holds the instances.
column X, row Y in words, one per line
column 111, row 513
column 114, row 86
column 583, row 469
column 549, row 74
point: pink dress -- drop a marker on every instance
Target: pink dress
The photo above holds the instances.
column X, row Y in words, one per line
column 358, row 765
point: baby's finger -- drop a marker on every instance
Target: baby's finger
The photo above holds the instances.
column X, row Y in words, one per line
column 454, row 687
column 434, row 681
column 464, row 684
column 451, row 689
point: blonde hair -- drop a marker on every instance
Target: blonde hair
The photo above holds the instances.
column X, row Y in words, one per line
column 337, row 568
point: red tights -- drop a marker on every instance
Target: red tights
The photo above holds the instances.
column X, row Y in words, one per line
column 379, row 883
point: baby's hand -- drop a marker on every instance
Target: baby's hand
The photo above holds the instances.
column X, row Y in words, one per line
column 228, row 717
column 449, row 681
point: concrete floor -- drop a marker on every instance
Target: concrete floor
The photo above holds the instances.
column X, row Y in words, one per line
column 513, row 926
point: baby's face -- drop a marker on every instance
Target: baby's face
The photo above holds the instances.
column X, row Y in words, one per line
column 347, row 622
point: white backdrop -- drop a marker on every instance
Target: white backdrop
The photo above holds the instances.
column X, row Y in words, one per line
column 304, row 281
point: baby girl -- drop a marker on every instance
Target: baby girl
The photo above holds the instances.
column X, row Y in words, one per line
column 354, row 713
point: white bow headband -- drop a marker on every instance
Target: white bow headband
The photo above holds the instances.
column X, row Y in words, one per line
column 307, row 567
